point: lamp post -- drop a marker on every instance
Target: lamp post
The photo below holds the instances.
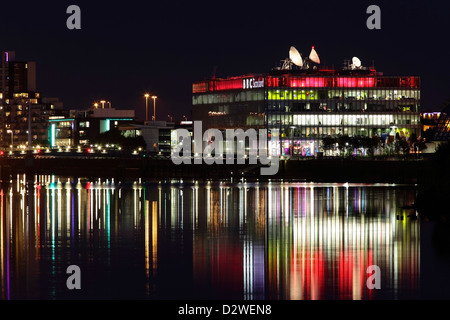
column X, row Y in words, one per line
column 146, row 106
column 154, row 107
column 103, row 103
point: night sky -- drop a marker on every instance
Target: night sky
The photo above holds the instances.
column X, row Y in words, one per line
column 126, row 48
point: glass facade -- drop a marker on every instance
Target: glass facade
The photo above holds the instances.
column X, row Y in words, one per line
column 233, row 109
column 304, row 109
column 442, row 130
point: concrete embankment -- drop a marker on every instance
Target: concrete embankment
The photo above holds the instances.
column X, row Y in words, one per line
column 323, row 170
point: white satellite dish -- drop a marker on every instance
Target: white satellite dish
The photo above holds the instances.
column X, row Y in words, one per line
column 295, row 57
column 356, row 62
column 313, row 56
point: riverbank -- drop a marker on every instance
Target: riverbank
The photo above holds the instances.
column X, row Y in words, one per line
column 315, row 170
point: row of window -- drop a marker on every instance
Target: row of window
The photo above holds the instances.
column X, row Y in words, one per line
column 231, row 97
column 340, row 94
column 320, row 133
column 332, row 105
column 308, row 94
column 343, row 119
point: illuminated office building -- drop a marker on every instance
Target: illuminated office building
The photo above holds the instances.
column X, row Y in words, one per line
column 307, row 103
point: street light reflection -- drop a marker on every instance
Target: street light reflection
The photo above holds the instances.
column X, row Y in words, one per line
column 245, row 240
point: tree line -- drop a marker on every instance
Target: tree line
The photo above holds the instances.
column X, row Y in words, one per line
column 364, row 145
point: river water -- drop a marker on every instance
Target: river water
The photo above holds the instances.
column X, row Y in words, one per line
column 214, row 240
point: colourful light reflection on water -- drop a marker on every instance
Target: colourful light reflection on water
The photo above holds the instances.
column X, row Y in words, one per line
column 206, row 240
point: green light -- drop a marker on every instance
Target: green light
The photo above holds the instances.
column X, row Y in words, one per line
column 60, row 120
column 52, row 135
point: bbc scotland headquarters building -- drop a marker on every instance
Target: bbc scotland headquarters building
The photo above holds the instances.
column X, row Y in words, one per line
column 309, row 103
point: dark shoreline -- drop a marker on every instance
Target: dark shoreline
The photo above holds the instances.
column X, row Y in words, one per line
column 338, row 170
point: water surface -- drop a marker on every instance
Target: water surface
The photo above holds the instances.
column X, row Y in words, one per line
column 212, row 240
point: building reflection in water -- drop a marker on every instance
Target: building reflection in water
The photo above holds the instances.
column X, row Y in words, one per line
column 206, row 240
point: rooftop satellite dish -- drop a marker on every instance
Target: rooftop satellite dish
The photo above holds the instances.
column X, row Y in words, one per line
column 356, row 62
column 295, row 56
column 313, row 56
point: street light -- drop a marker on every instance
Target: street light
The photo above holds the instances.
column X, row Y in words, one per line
column 103, row 103
column 146, row 106
column 154, row 107
column 96, row 105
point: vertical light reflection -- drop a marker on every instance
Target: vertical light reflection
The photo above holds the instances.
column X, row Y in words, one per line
column 195, row 206
column 173, row 207
column 180, row 210
column 154, row 236
column 294, row 242
column 2, row 250
column 90, row 202
column 135, row 207
column 108, row 219
column 72, row 216
column 248, row 270
column 69, row 213
column 52, row 222
column 37, row 205
column 332, row 246
column 78, row 188
column 8, row 245
column 147, row 244
column 59, row 210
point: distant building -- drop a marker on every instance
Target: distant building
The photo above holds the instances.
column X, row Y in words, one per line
column 442, row 127
column 20, row 102
column 88, row 124
column 159, row 136
column 156, row 134
column 429, row 121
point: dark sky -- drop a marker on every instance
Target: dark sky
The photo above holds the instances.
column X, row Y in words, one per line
column 126, row 48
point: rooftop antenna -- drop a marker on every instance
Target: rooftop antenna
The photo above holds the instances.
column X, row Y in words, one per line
column 295, row 57
column 313, row 56
column 356, row 63
column 287, row 64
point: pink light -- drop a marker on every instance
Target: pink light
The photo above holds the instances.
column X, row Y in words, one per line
column 350, row 82
column 313, row 82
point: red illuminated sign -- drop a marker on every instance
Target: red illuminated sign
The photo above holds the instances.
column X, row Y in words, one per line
column 247, row 82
